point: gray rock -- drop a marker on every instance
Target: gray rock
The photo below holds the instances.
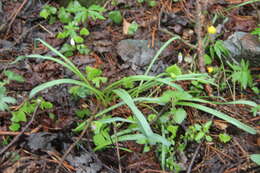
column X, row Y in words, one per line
column 242, row 45
column 41, row 141
column 138, row 55
column 84, row 163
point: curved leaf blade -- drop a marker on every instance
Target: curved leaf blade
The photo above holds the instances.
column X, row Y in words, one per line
column 220, row 115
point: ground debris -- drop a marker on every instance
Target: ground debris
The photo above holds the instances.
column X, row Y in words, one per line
column 83, row 162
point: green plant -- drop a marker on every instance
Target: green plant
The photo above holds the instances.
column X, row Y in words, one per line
column 132, row 28
column 27, row 108
column 4, row 99
column 5, row 141
column 93, row 75
column 49, row 12
column 256, row 31
column 241, row 74
column 74, row 17
column 223, row 137
column 199, row 132
column 106, row 93
column 217, row 49
column 116, row 17
column 137, row 127
column 82, row 113
column 255, row 110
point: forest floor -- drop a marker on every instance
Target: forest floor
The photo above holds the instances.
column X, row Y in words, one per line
column 21, row 24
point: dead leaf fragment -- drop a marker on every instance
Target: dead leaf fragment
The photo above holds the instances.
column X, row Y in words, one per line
column 125, row 26
column 220, row 125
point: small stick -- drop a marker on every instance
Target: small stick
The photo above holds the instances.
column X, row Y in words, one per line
column 22, row 132
column 173, row 35
column 220, row 152
column 15, row 14
column 8, row 133
column 193, row 158
column 117, row 151
column 170, row 33
column 74, row 144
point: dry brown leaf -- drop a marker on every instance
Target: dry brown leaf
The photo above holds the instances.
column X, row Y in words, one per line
column 220, row 125
column 125, row 26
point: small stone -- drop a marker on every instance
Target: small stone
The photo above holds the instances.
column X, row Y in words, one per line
column 242, row 45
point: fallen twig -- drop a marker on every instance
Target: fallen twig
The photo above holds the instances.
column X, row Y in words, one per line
column 193, row 158
column 117, row 151
column 15, row 14
column 172, row 34
column 8, row 133
column 74, row 144
column 198, row 30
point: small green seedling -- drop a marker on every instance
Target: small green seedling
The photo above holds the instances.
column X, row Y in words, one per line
column 241, row 74
column 174, row 70
column 255, row 110
column 132, row 28
column 26, row 109
column 199, row 132
column 83, row 113
column 4, row 99
column 116, row 17
column 223, row 137
column 94, row 75
column 49, row 12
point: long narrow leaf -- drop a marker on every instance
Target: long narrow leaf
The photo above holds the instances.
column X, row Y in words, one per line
column 242, row 102
column 167, row 81
column 65, row 81
column 116, row 119
column 47, row 58
column 75, row 69
column 144, row 125
column 159, row 53
column 220, row 115
column 130, row 137
column 139, row 99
